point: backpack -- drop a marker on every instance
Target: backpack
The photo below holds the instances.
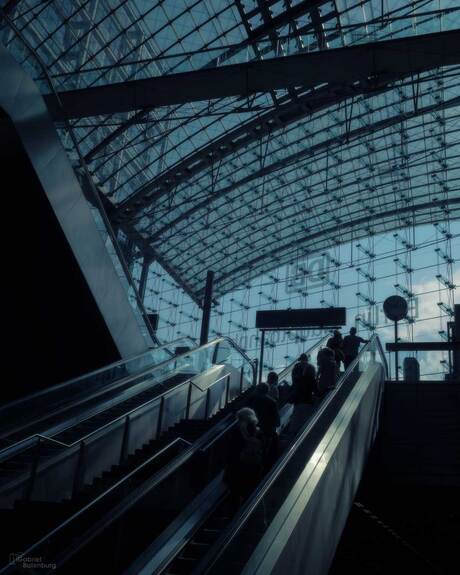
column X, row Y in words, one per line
column 252, row 452
column 297, row 373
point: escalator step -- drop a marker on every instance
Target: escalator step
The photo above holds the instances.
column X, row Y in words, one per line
column 182, row 565
column 195, row 550
column 24, row 457
column 206, row 535
column 8, row 473
column 15, row 466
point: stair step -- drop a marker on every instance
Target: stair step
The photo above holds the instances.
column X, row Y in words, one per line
column 195, row 550
column 182, row 565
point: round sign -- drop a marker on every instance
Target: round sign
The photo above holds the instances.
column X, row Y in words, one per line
column 395, row 307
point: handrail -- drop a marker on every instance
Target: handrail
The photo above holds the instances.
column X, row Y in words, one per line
column 382, row 355
column 28, row 441
column 239, row 349
column 140, row 492
column 103, row 495
column 201, row 388
column 285, row 370
column 112, row 421
column 237, row 523
column 80, row 398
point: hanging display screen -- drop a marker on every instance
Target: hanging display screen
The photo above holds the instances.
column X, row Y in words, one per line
column 301, row 318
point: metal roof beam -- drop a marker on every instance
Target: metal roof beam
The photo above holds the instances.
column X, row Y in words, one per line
column 238, row 138
column 332, row 231
column 342, row 65
column 305, row 152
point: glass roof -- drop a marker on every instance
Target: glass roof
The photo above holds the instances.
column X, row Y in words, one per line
column 263, row 179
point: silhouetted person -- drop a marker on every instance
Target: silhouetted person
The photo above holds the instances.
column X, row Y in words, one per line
column 266, row 409
column 245, row 458
column 272, row 381
column 268, row 415
column 327, row 371
column 303, row 388
column 336, row 344
column 351, row 345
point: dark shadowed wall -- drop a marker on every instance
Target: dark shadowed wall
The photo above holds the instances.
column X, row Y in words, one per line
column 55, row 330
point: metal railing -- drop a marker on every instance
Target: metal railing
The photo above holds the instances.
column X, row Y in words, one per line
column 185, row 397
column 96, row 372
column 22, row 413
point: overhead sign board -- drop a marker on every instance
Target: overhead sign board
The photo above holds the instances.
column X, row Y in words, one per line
column 301, row 318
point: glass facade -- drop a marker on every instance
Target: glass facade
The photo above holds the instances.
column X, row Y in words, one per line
column 273, row 193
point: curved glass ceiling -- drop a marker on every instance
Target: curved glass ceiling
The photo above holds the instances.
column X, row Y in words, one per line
column 262, row 179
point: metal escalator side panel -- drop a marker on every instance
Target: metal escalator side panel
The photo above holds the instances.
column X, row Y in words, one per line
column 305, row 532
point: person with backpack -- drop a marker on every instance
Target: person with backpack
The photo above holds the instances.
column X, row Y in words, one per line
column 336, row 344
column 303, row 389
column 245, row 457
column 266, row 409
column 303, row 380
column 272, row 382
column 327, row 371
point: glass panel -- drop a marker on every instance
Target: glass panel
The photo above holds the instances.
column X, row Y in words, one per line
column 25, row 410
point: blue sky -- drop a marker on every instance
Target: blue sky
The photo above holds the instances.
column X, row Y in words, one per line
column 319, row 277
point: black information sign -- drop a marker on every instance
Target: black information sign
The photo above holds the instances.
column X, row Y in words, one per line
column 301, row 318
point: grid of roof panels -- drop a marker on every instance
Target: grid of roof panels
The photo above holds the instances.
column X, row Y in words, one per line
column 265, row 179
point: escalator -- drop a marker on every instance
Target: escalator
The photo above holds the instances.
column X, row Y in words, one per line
column 293, row 521
column 191, row 451
column 145, row 502
column 104, row 434
column 38, row 412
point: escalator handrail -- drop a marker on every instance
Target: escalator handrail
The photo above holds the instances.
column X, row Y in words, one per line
column 239, row 349
column 237, row 523
column 121, row 362
column 287, row 369
column 140, row 491
column 31, row 440
column 382, row 355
